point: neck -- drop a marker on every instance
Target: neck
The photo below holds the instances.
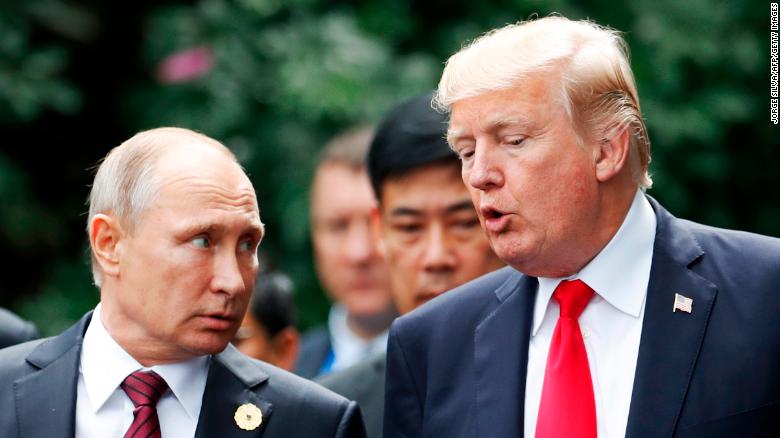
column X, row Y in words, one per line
column 368, row 327
column 615, row 204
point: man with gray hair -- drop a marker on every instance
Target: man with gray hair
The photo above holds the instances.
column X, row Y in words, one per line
column 614, row 318
column 174, row 227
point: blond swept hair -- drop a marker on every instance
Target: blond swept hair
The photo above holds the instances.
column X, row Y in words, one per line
column 597, row 92
column 126, row 183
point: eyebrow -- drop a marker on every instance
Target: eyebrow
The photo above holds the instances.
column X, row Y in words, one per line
column 405, row 211
column 460, row 206
column 255, row 229
column 464, row 205
column 496, row 122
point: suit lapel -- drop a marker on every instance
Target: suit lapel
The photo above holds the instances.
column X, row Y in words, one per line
column 501, row 359
column 670, row 341
column 230, row 380
column 46, row 399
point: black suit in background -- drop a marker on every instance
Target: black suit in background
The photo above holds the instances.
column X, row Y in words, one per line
column 15, row 330
column 315, row 351
column 363, row 382
column 456, row 366
column 38, row 383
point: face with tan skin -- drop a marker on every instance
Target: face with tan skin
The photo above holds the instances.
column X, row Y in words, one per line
column 548, row 204
column 177, row 286
column 430, row 234
column 348, row 262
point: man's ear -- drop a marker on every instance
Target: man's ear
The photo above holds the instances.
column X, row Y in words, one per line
column 105, row 234
column 377, row 230
column 612, row 154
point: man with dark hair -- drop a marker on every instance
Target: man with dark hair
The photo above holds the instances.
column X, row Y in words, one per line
column 428, row 229
column 349, row 266
column 268, row 331
column 15, row 330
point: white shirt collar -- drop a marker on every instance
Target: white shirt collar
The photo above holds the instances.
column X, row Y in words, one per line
column 620, row 272
column 348, row 347
column 105, row 364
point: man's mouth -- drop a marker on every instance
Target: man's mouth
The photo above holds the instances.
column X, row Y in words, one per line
column 496, row 220
column 219, row 321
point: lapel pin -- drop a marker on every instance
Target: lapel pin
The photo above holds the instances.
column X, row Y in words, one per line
column 682, row 303
column 248, row 416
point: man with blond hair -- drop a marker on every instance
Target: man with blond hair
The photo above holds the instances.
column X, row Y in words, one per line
column 614, row 318
column 174, row 227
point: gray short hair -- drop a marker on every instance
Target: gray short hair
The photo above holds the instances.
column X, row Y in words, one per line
column 598, row 90
column 126, row 183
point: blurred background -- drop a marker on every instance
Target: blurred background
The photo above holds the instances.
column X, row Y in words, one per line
column 274, row 79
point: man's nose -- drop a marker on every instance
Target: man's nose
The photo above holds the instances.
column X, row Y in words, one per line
column 484, row 172
column 360, row 247
column 437, row 255
column 227, row 273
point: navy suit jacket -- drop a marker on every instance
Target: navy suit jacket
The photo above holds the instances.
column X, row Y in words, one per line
column 456, row 366
column 15, row 330
column 315, row 349
column 38, row 383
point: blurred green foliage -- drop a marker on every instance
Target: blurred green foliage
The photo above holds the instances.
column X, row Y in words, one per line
column 287, row 75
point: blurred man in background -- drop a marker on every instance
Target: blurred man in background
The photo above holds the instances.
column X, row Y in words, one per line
column 268, row 330
column 174, row 227
column 15, row 330
column 428, row 228
column 348, row 263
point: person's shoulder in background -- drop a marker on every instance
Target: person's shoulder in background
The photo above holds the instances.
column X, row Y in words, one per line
column 315, row 349
column 364, row 383
column 15, row 330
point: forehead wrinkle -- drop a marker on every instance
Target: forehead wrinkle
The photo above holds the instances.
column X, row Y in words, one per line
column 502, row 120
column 187, row 186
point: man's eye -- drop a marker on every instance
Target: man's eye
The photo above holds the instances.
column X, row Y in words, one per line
column 407, row 228
column 201, row 242
column 467, row 223
column 247, row 245
column 516, row 141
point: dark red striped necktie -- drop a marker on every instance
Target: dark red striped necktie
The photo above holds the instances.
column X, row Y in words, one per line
column 144, row 389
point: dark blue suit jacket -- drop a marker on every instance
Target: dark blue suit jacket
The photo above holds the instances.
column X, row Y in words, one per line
column 38, row 383
column 457, row 366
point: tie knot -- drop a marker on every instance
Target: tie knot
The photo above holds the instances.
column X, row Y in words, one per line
column 573, row 296
column 144, row 388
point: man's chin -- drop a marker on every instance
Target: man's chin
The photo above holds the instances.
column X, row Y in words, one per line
column 209, row 344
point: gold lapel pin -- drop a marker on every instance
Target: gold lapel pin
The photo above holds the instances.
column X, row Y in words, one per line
column 682, row 303
column 248, row 416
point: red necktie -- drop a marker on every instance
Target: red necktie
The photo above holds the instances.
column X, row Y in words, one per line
column 144, row 389
column 567, row 408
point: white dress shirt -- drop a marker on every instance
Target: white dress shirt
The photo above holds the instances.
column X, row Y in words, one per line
column 102, row 407
column 348, row 347
column 611, row 323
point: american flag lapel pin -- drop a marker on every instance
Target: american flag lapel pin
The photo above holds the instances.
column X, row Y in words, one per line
column 682, row 303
